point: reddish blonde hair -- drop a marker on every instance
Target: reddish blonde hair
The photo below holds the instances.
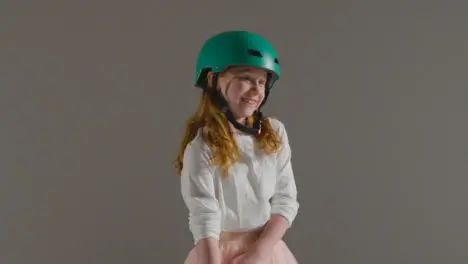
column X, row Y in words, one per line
column 218, row 136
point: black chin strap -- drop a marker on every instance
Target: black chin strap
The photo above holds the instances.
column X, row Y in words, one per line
column 222, row 105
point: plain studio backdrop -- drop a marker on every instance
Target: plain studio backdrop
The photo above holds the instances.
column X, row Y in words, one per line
column 94, row 96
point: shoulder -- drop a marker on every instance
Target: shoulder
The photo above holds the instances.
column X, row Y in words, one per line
column 278, row 126
column 280, row 129
column 197, row 149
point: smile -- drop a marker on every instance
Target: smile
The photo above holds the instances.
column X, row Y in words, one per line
column 249, row 101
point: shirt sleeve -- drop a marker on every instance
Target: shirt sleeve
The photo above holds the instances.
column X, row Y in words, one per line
column 198, row 192
column 284, row 201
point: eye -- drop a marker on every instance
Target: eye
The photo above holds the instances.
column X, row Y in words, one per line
column 244, row 78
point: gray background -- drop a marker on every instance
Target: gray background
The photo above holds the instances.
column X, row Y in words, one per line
column 94, row 96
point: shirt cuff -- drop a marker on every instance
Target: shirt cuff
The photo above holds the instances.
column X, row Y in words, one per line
column 205, row 226
column 286, row 209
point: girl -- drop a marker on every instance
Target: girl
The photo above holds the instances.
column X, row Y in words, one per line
column 235, row 165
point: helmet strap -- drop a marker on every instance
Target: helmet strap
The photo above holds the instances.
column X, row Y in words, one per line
column 223, row 106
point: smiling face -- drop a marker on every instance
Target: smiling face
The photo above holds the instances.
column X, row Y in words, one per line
column 243, row 88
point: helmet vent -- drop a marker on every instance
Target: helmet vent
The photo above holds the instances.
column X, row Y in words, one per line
column 255, row 53
column 276, row 61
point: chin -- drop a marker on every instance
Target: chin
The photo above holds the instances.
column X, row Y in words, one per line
column 248, row 113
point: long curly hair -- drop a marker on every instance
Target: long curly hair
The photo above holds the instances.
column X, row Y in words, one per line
column 218, row 136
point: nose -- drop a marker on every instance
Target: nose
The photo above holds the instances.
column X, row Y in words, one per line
column 257, row 86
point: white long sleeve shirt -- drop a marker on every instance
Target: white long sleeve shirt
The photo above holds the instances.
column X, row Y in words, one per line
column 257, row 186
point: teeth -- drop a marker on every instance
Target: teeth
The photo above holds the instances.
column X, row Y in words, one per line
column 249, row 101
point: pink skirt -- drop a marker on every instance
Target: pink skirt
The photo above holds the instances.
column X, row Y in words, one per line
column 233, row 245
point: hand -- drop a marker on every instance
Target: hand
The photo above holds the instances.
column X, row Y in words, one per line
column 254, row 255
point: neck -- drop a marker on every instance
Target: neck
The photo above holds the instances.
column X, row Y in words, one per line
column 241, row 120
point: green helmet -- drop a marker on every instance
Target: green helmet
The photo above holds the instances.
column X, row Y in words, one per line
column 236, row 48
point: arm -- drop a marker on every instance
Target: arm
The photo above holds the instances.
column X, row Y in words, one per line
column 198, row 192
column 207, row 250
column 284, row 205
column 274, row 231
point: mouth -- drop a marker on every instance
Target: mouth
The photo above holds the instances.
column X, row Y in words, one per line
column 248, row 101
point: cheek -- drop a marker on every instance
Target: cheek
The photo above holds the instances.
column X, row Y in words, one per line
column 262, row 95
column 235, row 92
